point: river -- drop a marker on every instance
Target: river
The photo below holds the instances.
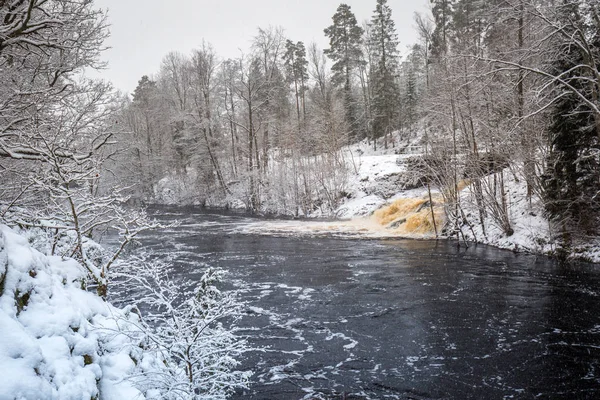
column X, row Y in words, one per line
column 350, row 317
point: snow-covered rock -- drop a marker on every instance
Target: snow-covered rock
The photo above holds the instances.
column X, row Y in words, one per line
column 360, row 206
column 58, row 341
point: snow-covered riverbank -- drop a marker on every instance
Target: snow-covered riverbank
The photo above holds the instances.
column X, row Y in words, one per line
column 58, row 340
column 379, row 175
column 61, row 341
column 378, row 178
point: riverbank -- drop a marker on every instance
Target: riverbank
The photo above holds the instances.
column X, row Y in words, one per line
column 375, row 179
column 524, row 228
column 383, row 178
column 60, row 341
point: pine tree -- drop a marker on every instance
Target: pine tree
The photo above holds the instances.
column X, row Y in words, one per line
column 384, row 49
column 442, row 15
column 572, row 180
column 296, row 69
column 415, row 62
column 469, row 22
column 301, row 68
column 144, row 90
column 345, row 38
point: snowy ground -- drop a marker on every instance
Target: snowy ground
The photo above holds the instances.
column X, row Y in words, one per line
column 378, row 180
column 377, row 177
column 532, row 231
column 58, row 341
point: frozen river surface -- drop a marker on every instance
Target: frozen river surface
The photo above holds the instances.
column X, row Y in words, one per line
column 350, row 318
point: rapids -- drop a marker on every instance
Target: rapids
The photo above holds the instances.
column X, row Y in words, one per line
column 340, row 310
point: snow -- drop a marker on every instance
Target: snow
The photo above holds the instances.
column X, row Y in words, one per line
column 379, row 173
column 532, row 231
column 174, row 189
column 376, row 176
column 373, row 178
column 58, row 341
column 359, row 206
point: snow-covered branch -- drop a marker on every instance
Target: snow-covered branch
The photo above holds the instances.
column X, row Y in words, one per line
column 185, row 322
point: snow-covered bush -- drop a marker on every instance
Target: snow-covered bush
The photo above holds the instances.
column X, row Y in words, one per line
column 183, row 321
column 59, row 341
column 70, row 231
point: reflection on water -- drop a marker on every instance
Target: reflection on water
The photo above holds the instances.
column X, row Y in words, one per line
column 347, row 318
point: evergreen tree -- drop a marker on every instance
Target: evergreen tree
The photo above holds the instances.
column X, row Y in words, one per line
column 296, row 69
column 144, row 89
column 301, row 68
column 412, row 68
column 442, row 15
column 572, row 180
column 384, row 50
column 345, row 38
column 469, row 21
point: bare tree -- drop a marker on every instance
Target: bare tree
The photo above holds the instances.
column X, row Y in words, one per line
column 204, row 65
column 184, row 327
column 41, row 44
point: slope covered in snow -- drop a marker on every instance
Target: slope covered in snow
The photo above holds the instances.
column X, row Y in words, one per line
column 381, row 177
column 378, row 176
column 58, row 341
column 530, row 230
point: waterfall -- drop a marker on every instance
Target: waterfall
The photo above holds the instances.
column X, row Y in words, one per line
column 411, row 216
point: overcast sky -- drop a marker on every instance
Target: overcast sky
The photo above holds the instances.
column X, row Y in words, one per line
column 144, row 31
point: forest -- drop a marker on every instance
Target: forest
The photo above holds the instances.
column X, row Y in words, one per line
column 491, row 88
column 493, row 91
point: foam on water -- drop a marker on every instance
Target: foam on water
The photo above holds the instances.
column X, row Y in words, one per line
column 406, row 217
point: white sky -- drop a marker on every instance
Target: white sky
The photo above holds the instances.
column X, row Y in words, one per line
column 144, row 31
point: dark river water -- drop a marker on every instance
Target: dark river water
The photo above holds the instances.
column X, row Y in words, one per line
column 351, row 318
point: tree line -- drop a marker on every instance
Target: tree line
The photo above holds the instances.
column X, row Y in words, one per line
column 61, row 135
column 268, row 127
column 515, row 83
column 489, row 85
